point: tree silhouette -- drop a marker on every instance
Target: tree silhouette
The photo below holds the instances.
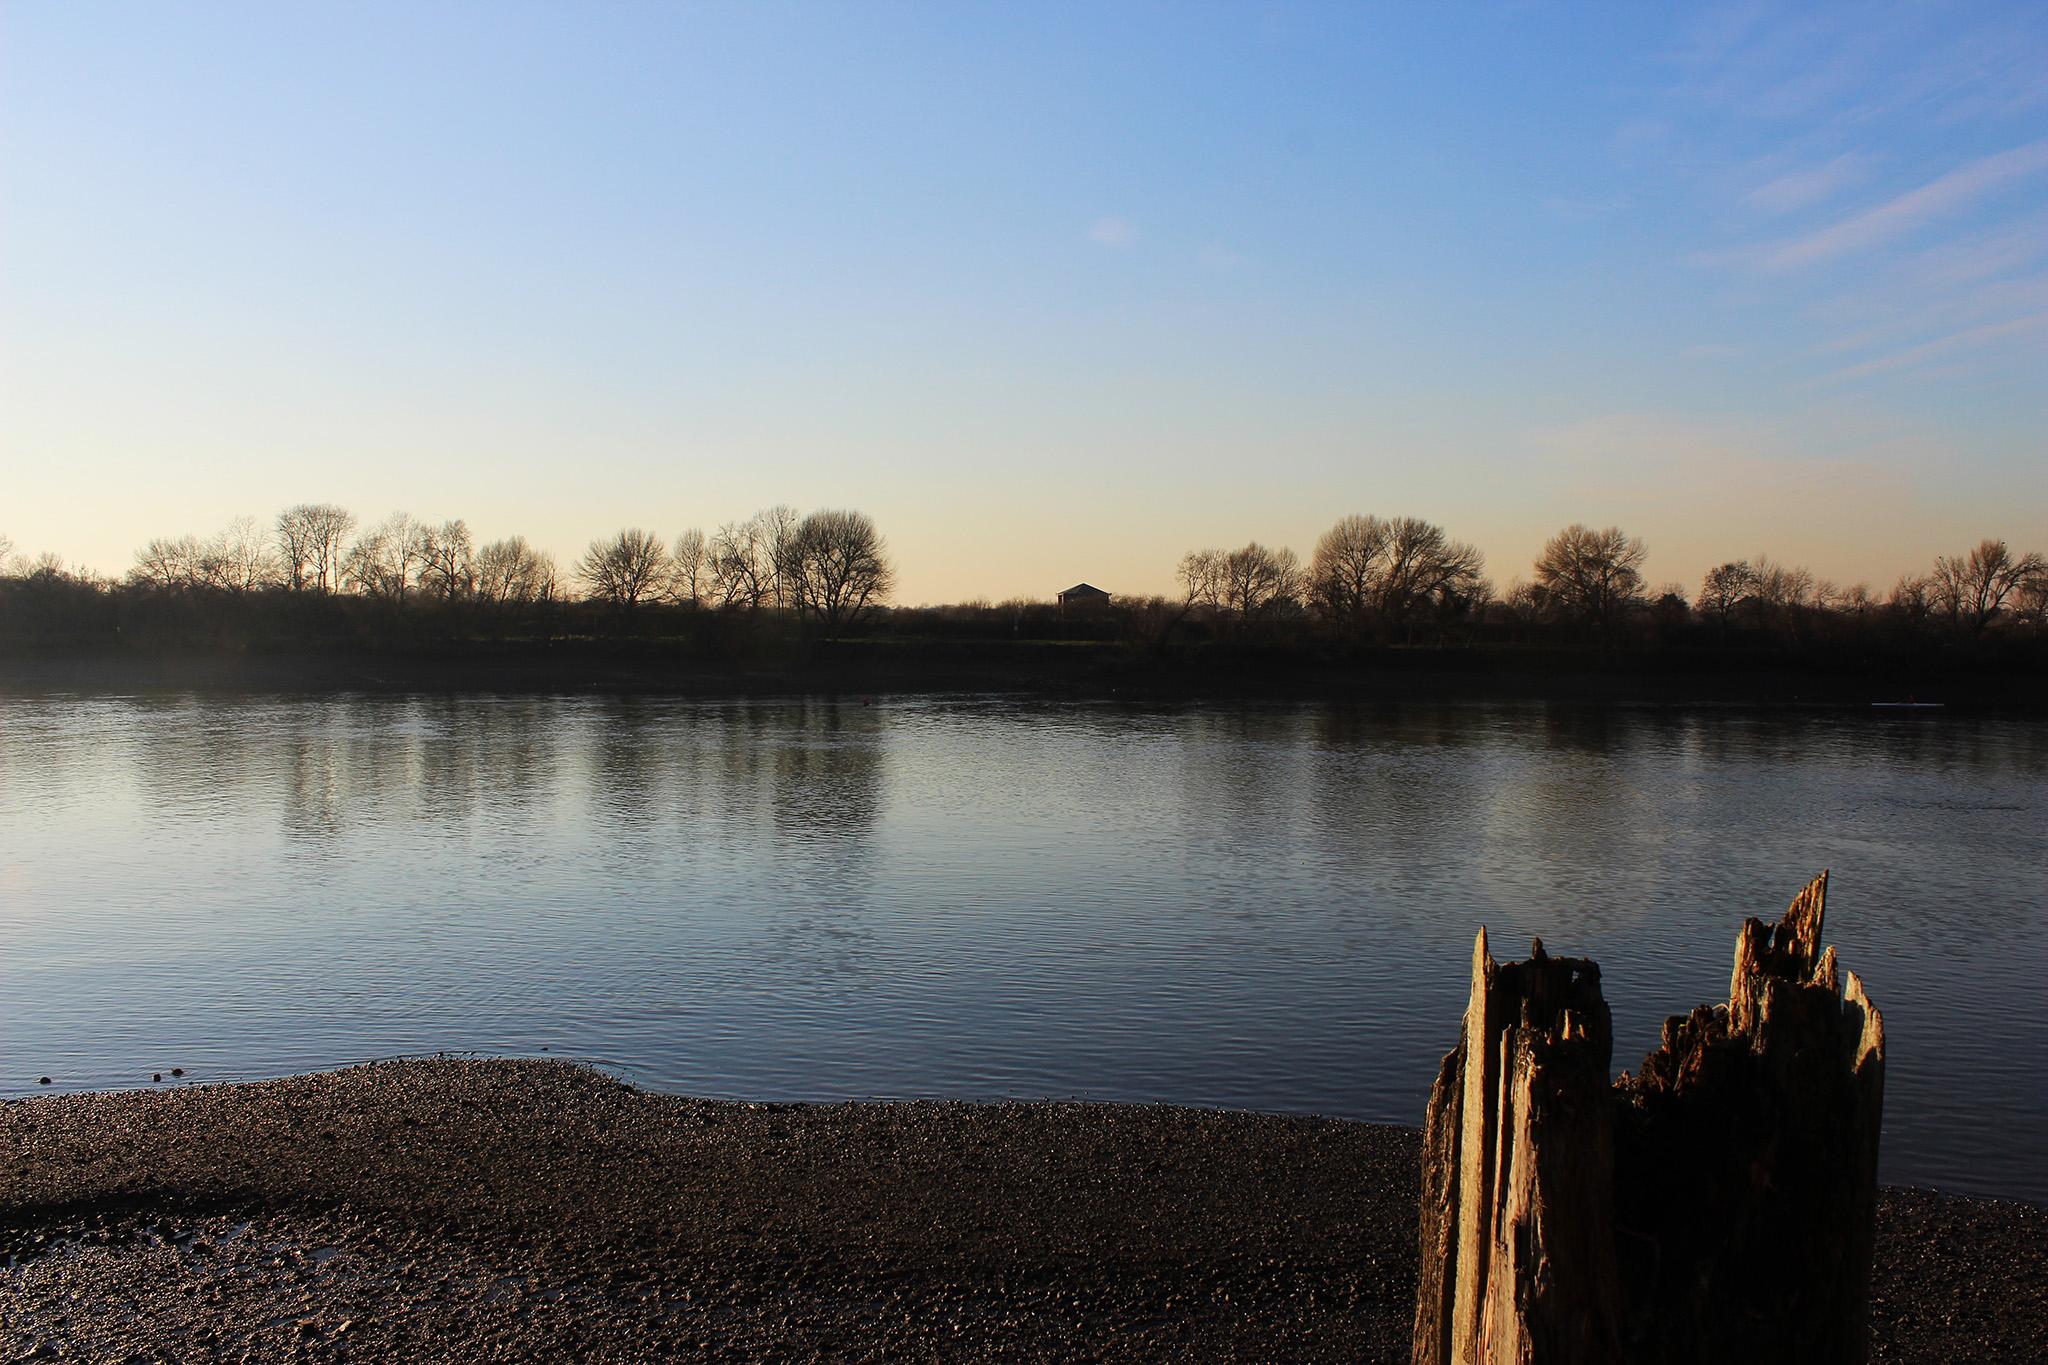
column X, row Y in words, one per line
column 1590, row 576
column 167, row 562
column 1244, row 584
column 448, row 561
column 309, row 540
column 1257, row 580
column 235, row 561
column 749, row 562
column 837, row 567
column 510, row 570
column 689, row 568
column 386, row 560
column 1201, row 578
column 1973, row 588
column 1724, row 588
column 625, row 569
column 1390, row 574
column 239, row 559
column 777, row 537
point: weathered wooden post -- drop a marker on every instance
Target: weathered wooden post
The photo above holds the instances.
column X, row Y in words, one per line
column 1518, row 1253
column 1717, row 1206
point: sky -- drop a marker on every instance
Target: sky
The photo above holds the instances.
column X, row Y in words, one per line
column 1054, row 292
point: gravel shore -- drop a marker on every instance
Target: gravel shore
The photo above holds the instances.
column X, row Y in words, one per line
column 516, row 1210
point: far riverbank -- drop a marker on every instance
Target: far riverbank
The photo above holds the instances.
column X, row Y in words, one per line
column 1074, row 669
column 470, row 1210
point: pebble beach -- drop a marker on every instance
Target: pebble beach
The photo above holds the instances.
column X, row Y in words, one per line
column 463, row 1210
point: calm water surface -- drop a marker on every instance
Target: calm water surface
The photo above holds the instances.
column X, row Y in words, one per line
column 1262, row 907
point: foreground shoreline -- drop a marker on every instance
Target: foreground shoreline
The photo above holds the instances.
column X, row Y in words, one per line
column 534, row 1210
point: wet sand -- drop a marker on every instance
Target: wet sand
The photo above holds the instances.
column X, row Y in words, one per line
column 526, row 1210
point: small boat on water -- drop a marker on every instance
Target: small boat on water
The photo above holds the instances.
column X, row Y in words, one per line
column 1908, row 705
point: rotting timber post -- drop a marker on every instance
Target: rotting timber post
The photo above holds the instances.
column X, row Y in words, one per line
column 1717, row 1206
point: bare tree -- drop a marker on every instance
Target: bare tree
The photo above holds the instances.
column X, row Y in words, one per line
column 6, row 555
column 510, row 570
column 168, row 562
column 1390, row 573
column 331, row 525
column 1253, row 581
column 234, row 561
column 1782, row 587
column 448, row 561
column 1764, row 591
column 1971, row 589
column 750, row 563
column 1201, row 578
column 1257, row 580
column 1346, row 570
column 309, row 541
column 2030, row 602
column 742, row 573
column 48, row 569
column 776, row 534
column 1725, row 588
column 625, row 569
column 837, row 567
column 1590, row 576
column 689, row 568
column 386, row 560
column 239, row 559
column 295, row 547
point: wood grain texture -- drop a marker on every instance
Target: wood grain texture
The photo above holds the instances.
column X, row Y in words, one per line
column 1717, row 1205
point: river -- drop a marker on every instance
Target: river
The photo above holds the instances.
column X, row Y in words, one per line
column 1267, row 907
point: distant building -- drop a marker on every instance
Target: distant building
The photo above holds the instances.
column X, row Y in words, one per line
column 1084, row 599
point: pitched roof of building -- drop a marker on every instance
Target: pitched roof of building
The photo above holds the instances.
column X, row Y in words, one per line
column 1084, row 590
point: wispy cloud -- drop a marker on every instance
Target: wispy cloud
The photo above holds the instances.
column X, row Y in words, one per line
column 1847, row 66
column 1972, row 339
column 1823, row 85
column 1112, row 231
column 1900, row 310
column 1936, row 199
column 1981, row 256
column 1805, row 188
column 1217, row 256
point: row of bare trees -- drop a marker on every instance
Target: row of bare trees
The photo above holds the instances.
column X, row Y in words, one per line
column 830, row 565
column 1369, row 576
column 1969, row 591
column 1394, row 577
column 309, row 549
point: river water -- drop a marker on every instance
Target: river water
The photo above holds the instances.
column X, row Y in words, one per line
column 1266, row 907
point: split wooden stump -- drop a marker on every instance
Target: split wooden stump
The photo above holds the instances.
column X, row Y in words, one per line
column 1718, row 1206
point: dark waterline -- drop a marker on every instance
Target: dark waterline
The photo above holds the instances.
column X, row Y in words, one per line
column 1266, row 907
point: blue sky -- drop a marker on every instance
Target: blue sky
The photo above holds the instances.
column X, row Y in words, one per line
column 1054, row 292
